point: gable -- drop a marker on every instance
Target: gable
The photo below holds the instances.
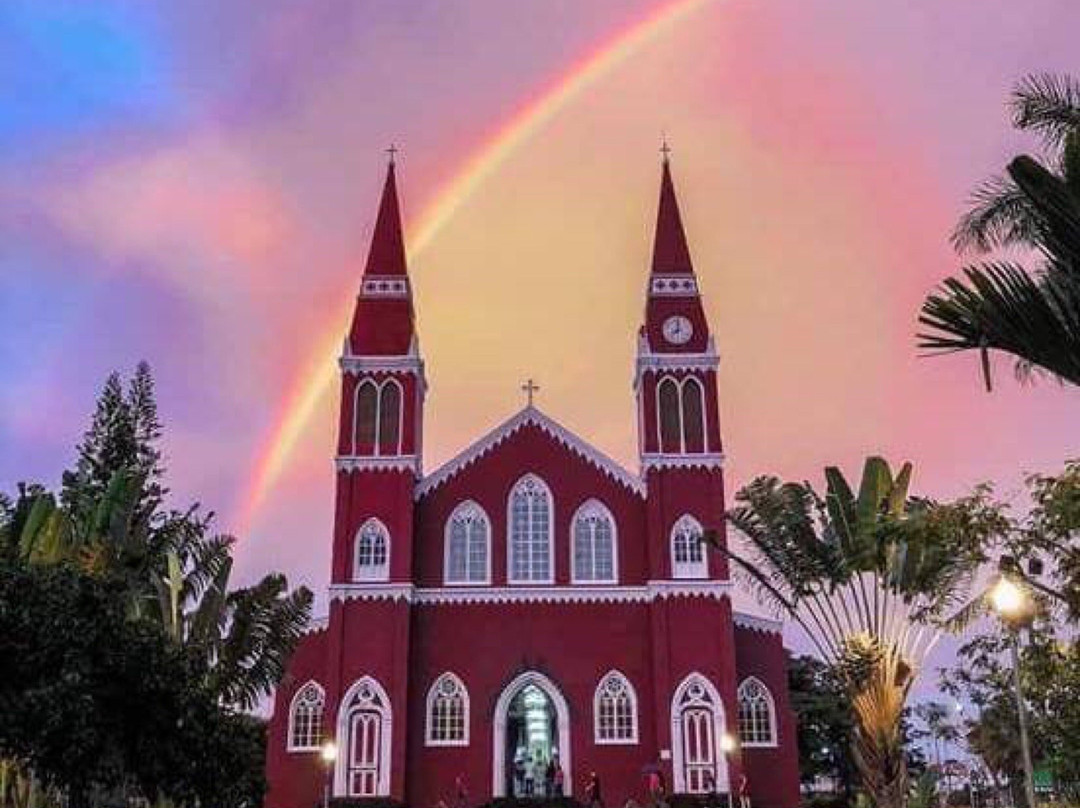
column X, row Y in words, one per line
column 560, row 435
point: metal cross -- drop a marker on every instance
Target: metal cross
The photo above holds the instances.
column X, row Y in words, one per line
column 392, row 151
column 665, row 149
column 529, row 388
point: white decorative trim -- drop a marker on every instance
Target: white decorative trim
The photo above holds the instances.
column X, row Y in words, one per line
column 372, row 572
column 753, row 622
column 529, row 415
column 384, row 286
column 647, row 361
column 602, row 593
column 432, row 695
column 770, row 705
column 317, row 624
column 690, row 528
column 372, row 591
column 631, row 696
column 502, row 707
column 371, row 463
column 661, row 460
column 673, row 285
column 382, row 364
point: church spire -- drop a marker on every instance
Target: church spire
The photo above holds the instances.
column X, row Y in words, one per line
column 387, row 254
column 671, row 255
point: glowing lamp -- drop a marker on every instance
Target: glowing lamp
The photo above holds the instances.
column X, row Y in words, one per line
column 727, row 742
column 1007, row 598
column 329, row 752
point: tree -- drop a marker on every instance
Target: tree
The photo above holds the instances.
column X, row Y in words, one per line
column 869, row 579
column 826, row 724
column 1000, row 304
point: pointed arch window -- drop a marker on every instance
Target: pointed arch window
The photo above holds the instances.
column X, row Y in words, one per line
column 670, row 416
column 615, row 711
column 377, row 418
column 530, row 557
column 757, row 713
column 595, row 545
column 680, row 408
column 468, row 546
column 305, row 718
column 447, row 712
column 688, row 558
column 371, row 560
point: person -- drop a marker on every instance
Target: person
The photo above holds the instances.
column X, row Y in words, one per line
column 519, row 775
column 461, row 793
column 530, row 775
column 558, row 778
column 744, row 792
column 549, row 778
column 593, row 798
column 655, row 784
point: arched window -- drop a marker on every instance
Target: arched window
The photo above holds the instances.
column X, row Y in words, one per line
column 305, row 718
column 693, row 411
column 467, row 546
column 688, row 550
column 615, row 711
column 448, row 712
column 757, row 716
column 364, row 729
column 390, row 418
column 594, row 545
column 372, row 552
column 530, row 553
column 698, row 760
column 364, row 414
column 670, row 416
column 377, row 418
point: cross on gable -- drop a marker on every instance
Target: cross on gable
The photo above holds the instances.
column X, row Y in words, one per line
column 529, row 389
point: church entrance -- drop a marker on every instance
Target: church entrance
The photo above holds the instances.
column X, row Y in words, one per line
column 531, row 742
column 532, row 737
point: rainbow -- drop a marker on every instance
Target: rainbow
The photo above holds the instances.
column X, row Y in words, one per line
column 318, row 374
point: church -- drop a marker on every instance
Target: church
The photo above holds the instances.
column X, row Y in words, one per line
column 531, row 614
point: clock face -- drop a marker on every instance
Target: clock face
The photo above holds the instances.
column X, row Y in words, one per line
column 678, row 329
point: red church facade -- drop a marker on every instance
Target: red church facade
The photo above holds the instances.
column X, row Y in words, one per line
column 531, row 611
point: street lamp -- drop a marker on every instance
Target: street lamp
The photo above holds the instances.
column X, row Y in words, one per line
column 329, row 755
column 1011, row 602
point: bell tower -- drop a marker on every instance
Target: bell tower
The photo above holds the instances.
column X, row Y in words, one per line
column 678, row 413
column 381, row 414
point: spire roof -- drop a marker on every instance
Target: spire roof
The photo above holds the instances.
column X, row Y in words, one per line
column 387, row 254
column 671, row 255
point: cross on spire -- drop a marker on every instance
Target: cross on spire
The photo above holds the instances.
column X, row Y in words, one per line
column 529, row 389
column 665, row 149
column 392, row 151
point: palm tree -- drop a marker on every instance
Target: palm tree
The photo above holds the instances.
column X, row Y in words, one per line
column 999, row 304
column 869, row 579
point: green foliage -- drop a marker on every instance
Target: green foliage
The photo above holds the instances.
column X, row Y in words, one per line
column 826, row 724
column 124, row 655
column 1002, row 305
column 857, row 572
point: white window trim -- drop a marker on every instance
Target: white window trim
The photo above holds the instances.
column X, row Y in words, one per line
column 376, row 449
column 679, row 385
column 510, row 534
column 772, row 714
column 583, row 510
column 344, row 719
column 632, row 693
column 683, row 570
column 380, row 573
column 429, row 724
column 447, row 580
column 720, row 757
column 289, row 745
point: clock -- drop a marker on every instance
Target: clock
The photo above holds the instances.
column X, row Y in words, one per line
column 678, row 329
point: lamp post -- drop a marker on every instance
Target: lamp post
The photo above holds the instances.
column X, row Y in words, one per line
column 1011, row 603
column 329, row 755
column 729, row 746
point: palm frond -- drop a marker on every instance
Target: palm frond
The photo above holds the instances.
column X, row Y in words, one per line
column 1048, row 104
column 999, row 214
